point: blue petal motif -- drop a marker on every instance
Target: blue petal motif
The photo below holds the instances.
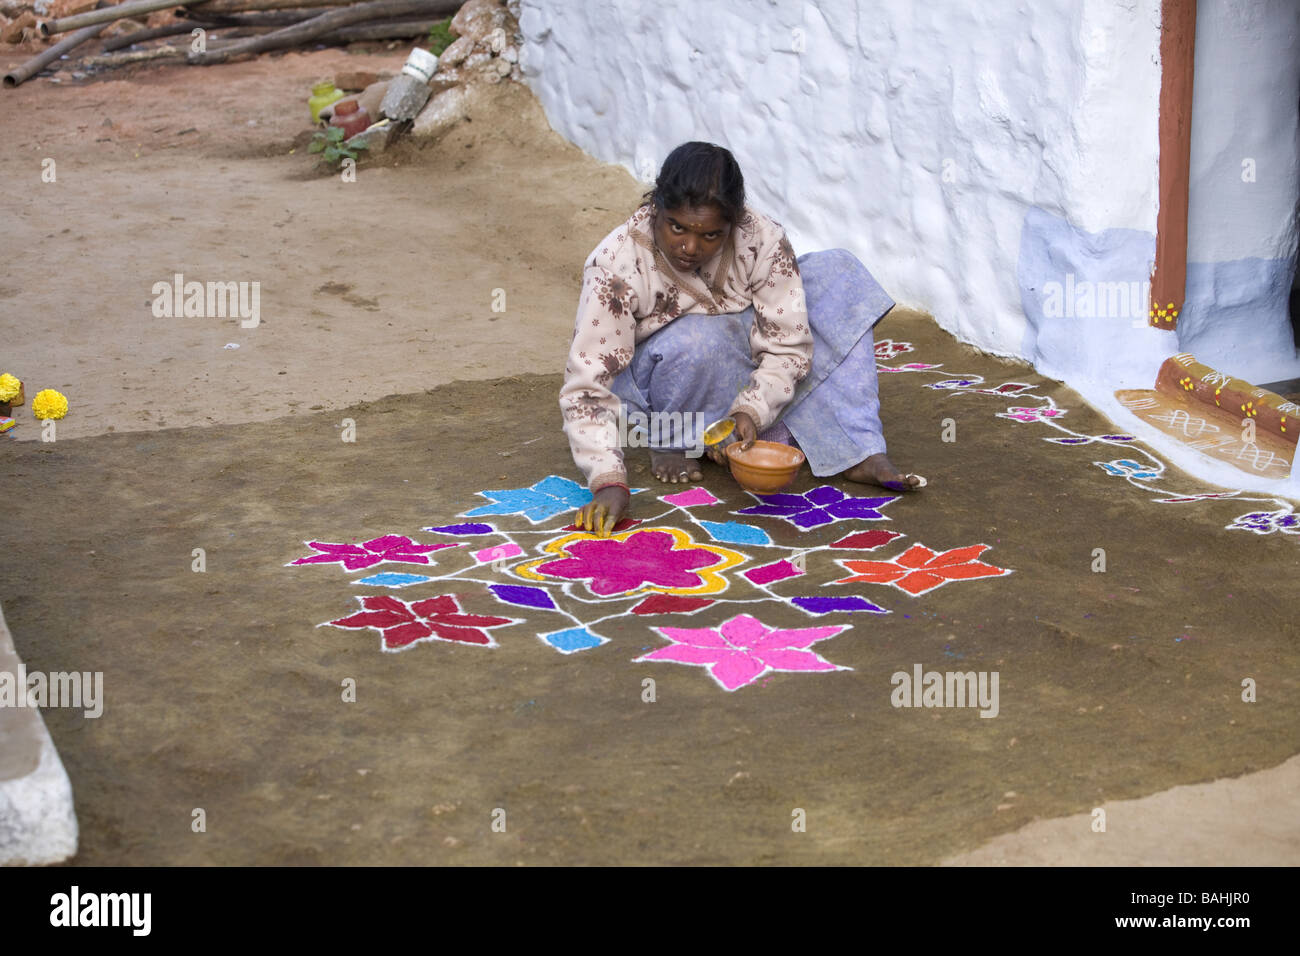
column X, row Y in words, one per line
column 572, row 640
column 733, row 532
column 394, row 579
column 547, row 498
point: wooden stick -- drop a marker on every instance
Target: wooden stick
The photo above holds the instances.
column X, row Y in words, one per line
column 326, row 22
column 37, row 63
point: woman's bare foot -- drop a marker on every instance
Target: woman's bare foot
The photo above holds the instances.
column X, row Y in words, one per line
column 879, row 470
column 674, row 466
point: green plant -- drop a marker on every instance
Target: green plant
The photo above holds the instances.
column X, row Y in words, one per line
column 440, row 36
column 329, row 143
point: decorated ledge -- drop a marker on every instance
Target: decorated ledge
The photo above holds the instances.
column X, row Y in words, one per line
column 1225, row 418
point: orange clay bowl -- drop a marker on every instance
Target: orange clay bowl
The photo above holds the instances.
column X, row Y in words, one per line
column 766, row 467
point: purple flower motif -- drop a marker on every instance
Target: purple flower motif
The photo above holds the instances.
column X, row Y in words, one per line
column 820, row 506
column 1266, row 522
column 954, row 383
column 394, row 548
column 744, row 649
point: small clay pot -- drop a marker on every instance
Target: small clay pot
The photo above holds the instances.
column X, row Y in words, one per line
column 766, row 467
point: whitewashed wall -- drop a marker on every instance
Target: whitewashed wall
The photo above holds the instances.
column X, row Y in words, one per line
column 1242, row 214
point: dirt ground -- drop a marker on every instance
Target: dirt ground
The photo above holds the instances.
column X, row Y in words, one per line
column 224, row 694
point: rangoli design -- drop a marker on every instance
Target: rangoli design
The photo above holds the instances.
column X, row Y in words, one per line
column 723, row 562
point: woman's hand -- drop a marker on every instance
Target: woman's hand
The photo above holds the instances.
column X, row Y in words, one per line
column 744, row 433
column 606, row 508
column 746, row 430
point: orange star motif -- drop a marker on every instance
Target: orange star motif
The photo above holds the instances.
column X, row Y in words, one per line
column 919, row 569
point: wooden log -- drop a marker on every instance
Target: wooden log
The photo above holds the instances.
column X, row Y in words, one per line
column 153, row 33
column 136, row 56
column 244, row 6
column 271, row 18
column 38, row 62
column 362, row 32
column 311, row 29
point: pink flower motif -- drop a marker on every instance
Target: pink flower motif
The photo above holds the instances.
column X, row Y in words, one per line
column 393, row 548
column 436, row 619
column 1040, row 414
column 660, row 559
column 744, row 649
column 887, row 349
column 918, row 569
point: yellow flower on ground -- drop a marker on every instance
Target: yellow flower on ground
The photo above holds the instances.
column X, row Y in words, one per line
column 49, row 404
column 9, row 386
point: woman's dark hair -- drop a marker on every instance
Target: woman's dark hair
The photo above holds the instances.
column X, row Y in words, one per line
column 696, row 174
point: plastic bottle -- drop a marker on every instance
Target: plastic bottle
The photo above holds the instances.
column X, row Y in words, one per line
column 350, row 117
column 322, row 95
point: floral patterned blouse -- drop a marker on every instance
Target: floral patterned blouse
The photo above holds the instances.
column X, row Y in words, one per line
column 630, row 290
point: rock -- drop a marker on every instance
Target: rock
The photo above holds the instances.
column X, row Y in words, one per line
column 374, row 138
column 455, row 54
column 404, row 98
column 66, row 8
column 475, row 60
column 372, row 97
column 356, row 80
column 13, row 33
column 510, row 54
column 478, row 18
column 444, row 111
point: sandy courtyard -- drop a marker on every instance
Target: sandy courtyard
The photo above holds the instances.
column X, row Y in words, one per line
column 1121, row 690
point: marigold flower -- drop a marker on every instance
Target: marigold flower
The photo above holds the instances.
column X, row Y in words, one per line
column 49, row 404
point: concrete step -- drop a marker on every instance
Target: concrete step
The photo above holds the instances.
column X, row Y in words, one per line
column 37, row 822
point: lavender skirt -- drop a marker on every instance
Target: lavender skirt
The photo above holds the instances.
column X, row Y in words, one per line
column 699, row 363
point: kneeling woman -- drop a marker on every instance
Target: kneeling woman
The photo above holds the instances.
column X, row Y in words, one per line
column 697, row 306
